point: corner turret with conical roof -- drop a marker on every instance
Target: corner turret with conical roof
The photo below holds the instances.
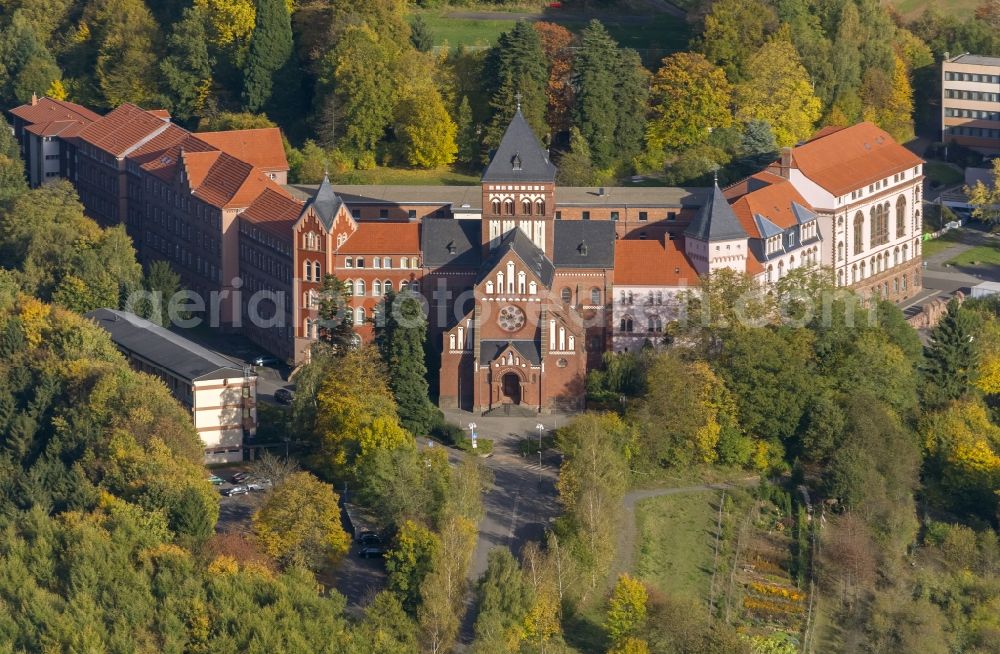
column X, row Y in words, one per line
column 715, row 239
column 519, row 188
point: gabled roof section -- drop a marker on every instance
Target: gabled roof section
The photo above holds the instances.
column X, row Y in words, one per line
column 163, row 347
column 197, row 164
column 766, row 202
column 765, row 228
column 123, row 130
column 850, row 158
column 802, row 214
column 228, row 183
column 449, row 243
column 653, row 263
column 261, row 147
column 163, row 154
column 715, row 220
column 326, row 203
column 517, row 242
column 275, row 212
column 520, row 157
column 48, row 110
column 490, row 350
column 583, row 244
column 383, row 238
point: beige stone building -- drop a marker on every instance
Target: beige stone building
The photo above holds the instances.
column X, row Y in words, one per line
column 970, row 101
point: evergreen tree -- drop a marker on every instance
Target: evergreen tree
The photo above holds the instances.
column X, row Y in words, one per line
column 516, row 65
column 950, row 358
column 400, row 337
column 336, row 319
column 270, row 51
column 12, row 180
column 420, row 34
column 467, row 139
column 631, row 96
column 575, row 167
column 187, row 68
column 595, row 82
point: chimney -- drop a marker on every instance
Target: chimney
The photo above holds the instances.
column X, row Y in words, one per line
column 786, row 162
column 34, row 99
column 601, row 192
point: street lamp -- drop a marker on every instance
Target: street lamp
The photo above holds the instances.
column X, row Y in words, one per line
column 539, row 427
column 472, row 434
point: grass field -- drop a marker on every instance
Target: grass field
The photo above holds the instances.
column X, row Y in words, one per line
column 676, row 540
column 942, row 173
column 941, row 243
column 913, row 8
column 983, row 255
column 445, row 176
column 653, row 35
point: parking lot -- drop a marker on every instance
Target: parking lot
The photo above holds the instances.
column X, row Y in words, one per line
column 235, row 511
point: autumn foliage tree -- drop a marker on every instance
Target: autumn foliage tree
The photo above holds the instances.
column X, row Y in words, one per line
column 689, row 97
column 556, row 42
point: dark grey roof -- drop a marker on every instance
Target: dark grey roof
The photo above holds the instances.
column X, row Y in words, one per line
column 520, row 157
column 977, row 60
column 716, row 220
column 450, row 243
column 534, row 258
column 162, row 347
column 584, row 244
column 489, row 350
column 326, row 203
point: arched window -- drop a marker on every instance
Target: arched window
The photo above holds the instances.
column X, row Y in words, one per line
column 863, row 270
column 859, row 227
column 508, row 207
column 540, row 207
column 880, row 224
column 595, row 296
column 567, row 295
column 496, row 207
column 313, row 298
column 895, row 257
column 308, row 271
column 387, row 286
column 769, row 273
column 376, row 288
column 359, row 288
column 526, row 207
column 349, row 284
column 415, row 286
column 854, row 274
column 489, row 288
column 626, row 324
column 906, row 252
column 317, row 275
column 532, row 288
column 840, row 251
column 781, row 269
column 359, row 316
column 520, row 282
column 901, row 216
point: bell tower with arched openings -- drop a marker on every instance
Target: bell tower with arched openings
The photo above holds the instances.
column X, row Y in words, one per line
column 519, row 189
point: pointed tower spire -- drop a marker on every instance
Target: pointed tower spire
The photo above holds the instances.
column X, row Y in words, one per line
column 716, row 220
column 520, row 156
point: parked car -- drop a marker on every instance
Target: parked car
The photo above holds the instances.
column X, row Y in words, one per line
column 236, row 490
column 259, row 484
column 216, row 480
column 239, row 477
column 265, row 360
column 370, row 545
column 283, row 396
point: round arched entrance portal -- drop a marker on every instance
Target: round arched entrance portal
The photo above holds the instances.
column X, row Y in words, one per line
column 511, row 388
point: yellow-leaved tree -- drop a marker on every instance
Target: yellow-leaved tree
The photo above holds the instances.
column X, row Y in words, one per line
column 778, row 91
column 231, row 21
column 689, row 97
column 626, row 609
column 299, row 522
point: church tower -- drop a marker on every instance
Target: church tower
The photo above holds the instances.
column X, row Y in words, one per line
column 519, row 189
column 715, row 239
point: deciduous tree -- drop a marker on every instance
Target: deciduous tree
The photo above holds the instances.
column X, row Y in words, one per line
column 556, row 42
column 626, row 609
column 689, row 98
column 985, row 198
column 187, row 66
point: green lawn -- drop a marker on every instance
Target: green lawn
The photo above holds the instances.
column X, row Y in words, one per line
column 941, row 243
column 653, row 35
column 913, row 8
column 978, row 256
column 445, row 176
column 676, row 539
column 942, row 173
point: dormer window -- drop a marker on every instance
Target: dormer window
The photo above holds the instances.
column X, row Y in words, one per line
column 583, row 249
column 451, row 247
column 516, row 162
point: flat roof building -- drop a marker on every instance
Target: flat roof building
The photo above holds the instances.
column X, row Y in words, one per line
column 970, row 102
column 221, row 396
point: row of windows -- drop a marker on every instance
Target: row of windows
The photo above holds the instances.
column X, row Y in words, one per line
column 879, row 227
column 654, row 325
column 980, row 96
column 972, row 113
column 273, row 266
column 879, row 263
column 628, row 297
column 810, row 257
column 971, row 77
column 313, row 272
column 527, row 207
column 358, row 288
column 385, row 263
column 595, row 296
column 979, row 132
column 643, row 215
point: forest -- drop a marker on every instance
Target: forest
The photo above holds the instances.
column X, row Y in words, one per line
column 356, row 86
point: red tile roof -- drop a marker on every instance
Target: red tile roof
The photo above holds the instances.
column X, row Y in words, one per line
column 260, row 147
column 766, row 194
column 160, row 154
column 275, row 212
column 126, row 127
column 846, row 159
column 159, row 113
column 383, row 238
column 197, row 164
column 653, row 263
column 47, row 110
